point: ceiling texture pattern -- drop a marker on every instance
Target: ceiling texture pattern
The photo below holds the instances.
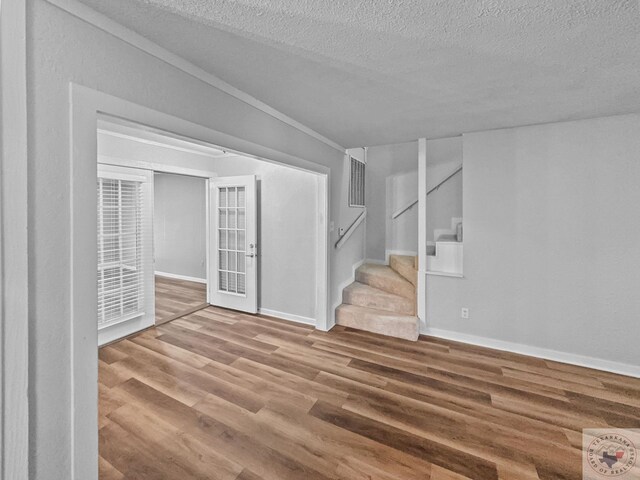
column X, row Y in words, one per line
column 386, row 71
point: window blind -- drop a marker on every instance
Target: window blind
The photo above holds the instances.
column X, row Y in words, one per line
column 121, row 292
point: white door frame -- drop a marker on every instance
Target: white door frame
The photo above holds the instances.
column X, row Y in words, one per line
column 86, row 106
column 14, row 244
column 421, row 289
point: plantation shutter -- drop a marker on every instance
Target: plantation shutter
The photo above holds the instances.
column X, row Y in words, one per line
column 125, row 261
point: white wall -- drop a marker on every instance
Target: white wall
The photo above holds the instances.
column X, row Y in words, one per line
column 385, row 194
column 402, row 232
column 444, row 156
column 63, row 49
column 552, row 240
column 179, row 225
column 287, row 225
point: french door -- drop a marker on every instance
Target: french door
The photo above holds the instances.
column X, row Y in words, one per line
column 233, row 261
column 125, row 284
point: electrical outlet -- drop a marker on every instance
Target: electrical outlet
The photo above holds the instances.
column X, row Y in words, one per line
column 464, row 313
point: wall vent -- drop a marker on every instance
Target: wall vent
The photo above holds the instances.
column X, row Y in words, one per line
column 356, row 183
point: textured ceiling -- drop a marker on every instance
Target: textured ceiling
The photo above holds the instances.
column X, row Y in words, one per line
column 370, row 72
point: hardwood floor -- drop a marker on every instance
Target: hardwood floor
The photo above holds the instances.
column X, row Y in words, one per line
column 176, row 298
column 223, row 395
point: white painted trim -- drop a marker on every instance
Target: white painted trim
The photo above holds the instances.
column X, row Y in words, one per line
column 323, row 318
column 155, row 167
column 169, row 142
column 85, row 106
column 14, row 242
column 287, row 316
column 207, row 229
column 98, row 20
column 544, row 353
column 421, row 288
column 444, row 274
column 180, row 277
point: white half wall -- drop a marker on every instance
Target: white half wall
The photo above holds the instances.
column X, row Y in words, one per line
column 179, row 225
column 552, row 242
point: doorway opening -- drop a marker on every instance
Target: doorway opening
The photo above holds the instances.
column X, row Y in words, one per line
column 180, row 245
column 89, row 111
column 183, row 225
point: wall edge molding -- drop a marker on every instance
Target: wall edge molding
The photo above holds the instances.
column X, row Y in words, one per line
column 538, row 352
column 104, row 23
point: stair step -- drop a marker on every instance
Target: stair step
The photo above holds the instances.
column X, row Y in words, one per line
column 378, row 321
column 385, row 278
column 363, row 295
column 447, row 238
column 405, row 266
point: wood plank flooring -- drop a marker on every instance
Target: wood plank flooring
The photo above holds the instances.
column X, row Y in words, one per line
column 223, row 395
column 176, row 298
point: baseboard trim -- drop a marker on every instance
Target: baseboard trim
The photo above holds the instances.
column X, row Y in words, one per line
column 181, row 277
column 287, row 316
column 544, row 353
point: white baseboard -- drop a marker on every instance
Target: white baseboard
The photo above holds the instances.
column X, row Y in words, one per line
column 288, row 316
column 544, row 353
column 181, row 277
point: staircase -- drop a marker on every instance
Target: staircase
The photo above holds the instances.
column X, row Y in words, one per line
column 444, row 256
column 383, row 299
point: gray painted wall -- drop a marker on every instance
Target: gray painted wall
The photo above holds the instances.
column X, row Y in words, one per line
column 552, row 241
column 61, row 49
column 383, row 193
column 179, row 225
column 443, row 157
column 287, row 225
